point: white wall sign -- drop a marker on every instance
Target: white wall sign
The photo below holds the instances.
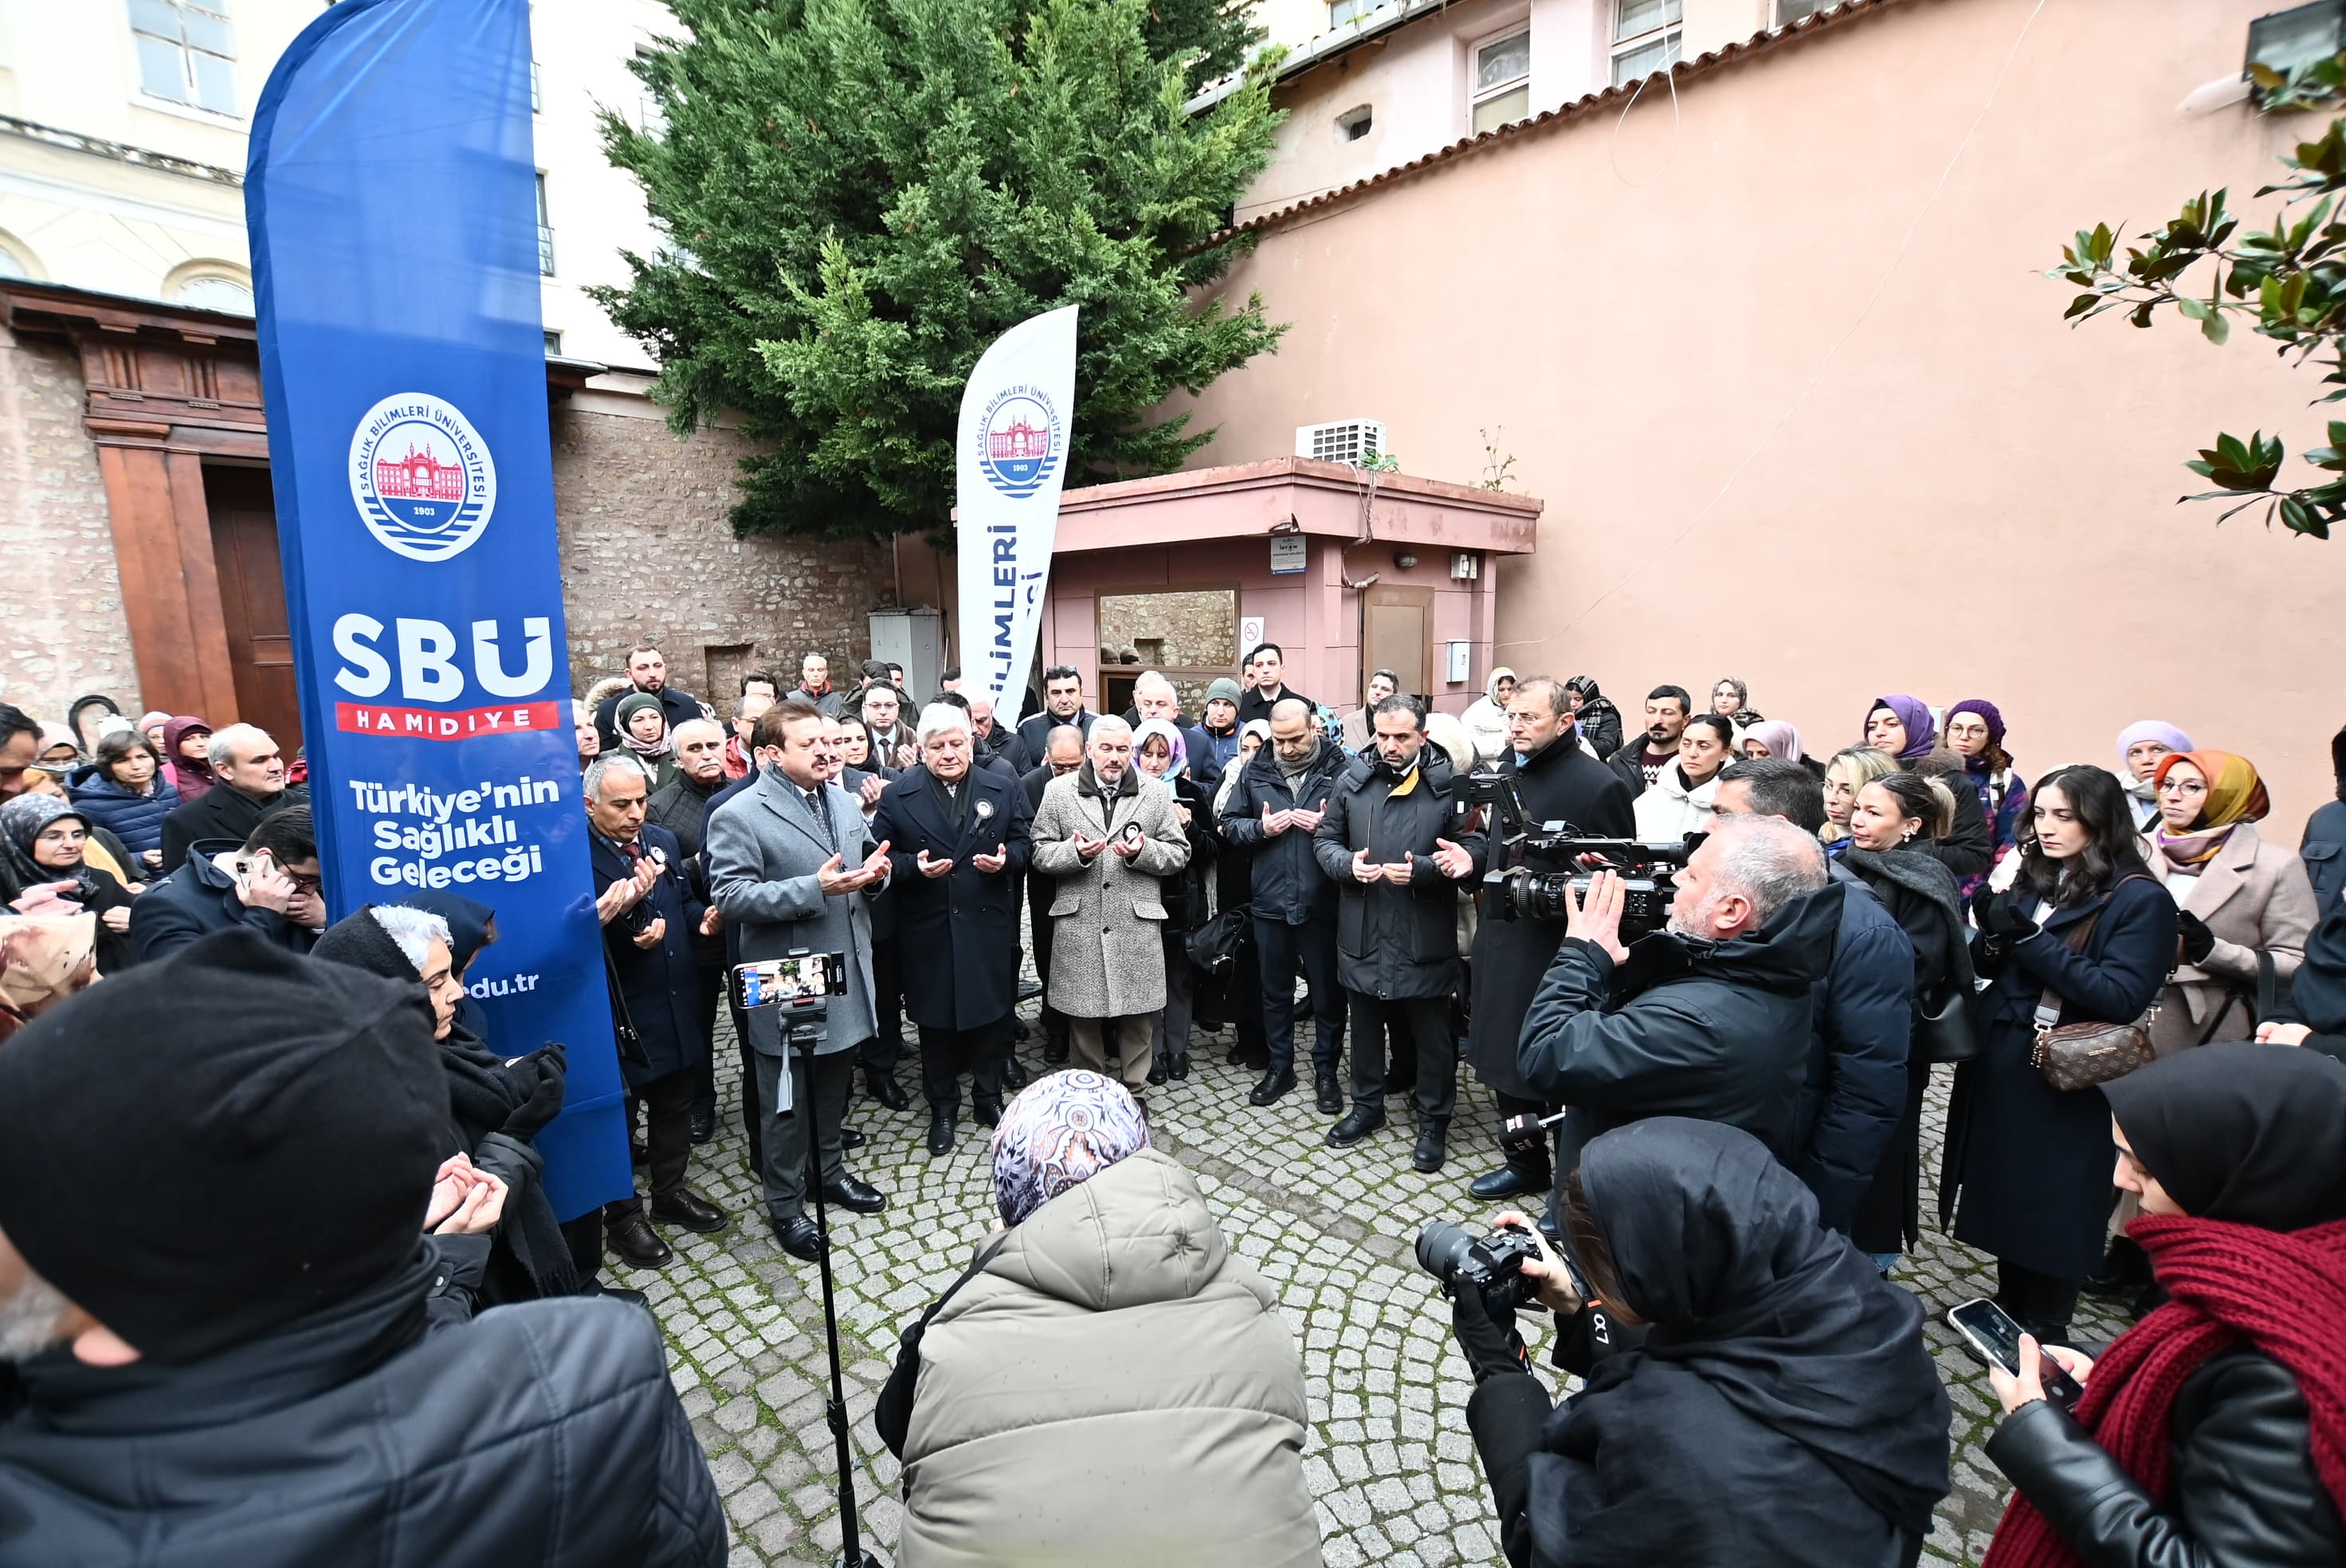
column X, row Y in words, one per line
column 1287, row 552
column 1251, row 632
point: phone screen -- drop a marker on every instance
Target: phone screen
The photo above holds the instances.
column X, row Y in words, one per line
column 1993, row 1333
column 776, row 982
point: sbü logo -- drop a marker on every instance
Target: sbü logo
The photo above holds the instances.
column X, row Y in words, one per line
column 421, row 476
column 1021, row 442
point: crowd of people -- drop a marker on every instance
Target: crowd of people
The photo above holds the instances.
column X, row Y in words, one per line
column 1719, row 968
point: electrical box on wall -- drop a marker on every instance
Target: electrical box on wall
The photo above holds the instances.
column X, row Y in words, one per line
column 912, row 638
column 1460, row 656
column 1465, row 566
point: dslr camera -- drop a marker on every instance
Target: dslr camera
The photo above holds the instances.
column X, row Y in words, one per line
column 1533, row 864
column 1493, row 1264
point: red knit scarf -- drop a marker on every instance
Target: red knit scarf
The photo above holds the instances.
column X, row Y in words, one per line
column 2285, row 1293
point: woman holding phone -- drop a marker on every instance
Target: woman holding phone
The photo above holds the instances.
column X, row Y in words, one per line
column 2213, row 1431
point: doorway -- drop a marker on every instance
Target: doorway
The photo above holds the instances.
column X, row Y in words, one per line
column 1397, row 634
column 253, row 601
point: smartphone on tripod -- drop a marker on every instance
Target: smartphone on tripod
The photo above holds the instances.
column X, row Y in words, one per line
column 792, row 980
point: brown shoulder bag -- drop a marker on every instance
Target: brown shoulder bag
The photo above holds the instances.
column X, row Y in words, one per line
column 2074, row 1057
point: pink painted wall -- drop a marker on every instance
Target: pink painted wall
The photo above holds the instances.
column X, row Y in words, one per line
column 1778, row 440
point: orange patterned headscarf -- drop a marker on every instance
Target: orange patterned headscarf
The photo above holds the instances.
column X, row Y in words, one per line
column 2235, row 794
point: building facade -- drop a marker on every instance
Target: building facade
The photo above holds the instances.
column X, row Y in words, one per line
column 1775, row 346
column 134, row 507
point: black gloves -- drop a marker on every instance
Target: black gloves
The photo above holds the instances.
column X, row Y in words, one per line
column 2000, row 914
column 1491, row 1348
column 2198, row 942
column 545, row 1103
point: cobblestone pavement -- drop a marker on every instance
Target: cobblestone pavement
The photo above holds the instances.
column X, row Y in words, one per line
column 1389, row 1457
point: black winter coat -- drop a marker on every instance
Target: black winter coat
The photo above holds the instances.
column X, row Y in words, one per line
column 658, row 982
column 537, row 1432
column 1716, row 1031
column 223, row 813
column 1623, row 762
column 960, row 930
column 1395, row 942
column 1600, row 721
column 2032, row 1163
column 1184, row 895
column 1559, row 782
column 199, row 899
column 1968, row 846
column 1857, row 1064
column 2243, row 1490
column 682, row 808
column 1288, row 882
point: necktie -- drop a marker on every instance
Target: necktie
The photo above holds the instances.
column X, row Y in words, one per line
column 822, row 816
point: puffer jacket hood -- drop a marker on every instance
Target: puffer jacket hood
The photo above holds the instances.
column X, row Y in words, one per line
column 1136, row 1234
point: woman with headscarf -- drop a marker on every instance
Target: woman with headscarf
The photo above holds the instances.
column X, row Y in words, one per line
column 2213, row 1431
column 1110, row 1383
column 1598, row 720
column 643, row 728
column 472, row 926
column 1902, row 727
column 1731, row 700
column 1158, row 753
column 1774, row 737
column 2142, row 746
column 48, row 841
column 187, row 759
column 60, row 751
column 1782, row 1407
column 1974, row 731
column 2084, row 935
column 1486, row 716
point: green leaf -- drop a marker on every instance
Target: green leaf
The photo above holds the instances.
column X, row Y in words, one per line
column 2216, row 328
column 2195, row 309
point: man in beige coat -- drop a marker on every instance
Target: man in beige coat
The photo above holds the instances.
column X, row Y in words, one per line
column 1107, row 834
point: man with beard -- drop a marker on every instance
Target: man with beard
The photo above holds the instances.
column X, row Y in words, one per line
column 1556, row 781
column 1642, row 758
column 647, row 672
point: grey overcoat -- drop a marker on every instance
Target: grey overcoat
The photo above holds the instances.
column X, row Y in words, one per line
column 1107, row 953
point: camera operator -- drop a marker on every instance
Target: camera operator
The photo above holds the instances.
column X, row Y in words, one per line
column 786, row 858
column 1781, row 1409
column 1558, row 782
column 1382, row 841
column 1706, row 1018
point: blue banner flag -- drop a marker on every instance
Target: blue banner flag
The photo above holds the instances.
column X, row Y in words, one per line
column 392, row 200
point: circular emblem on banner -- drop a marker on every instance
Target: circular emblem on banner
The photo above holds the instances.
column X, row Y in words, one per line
column 1020, row 442
column 421, row 476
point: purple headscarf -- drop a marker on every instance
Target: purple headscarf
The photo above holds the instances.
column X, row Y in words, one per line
column 1921, row 731
column 1060, row 1131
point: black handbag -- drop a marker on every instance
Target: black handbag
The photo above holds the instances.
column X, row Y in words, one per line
column 891, row 1413
column 1214, row 946
column 623, row 1027
column 1944, row 1034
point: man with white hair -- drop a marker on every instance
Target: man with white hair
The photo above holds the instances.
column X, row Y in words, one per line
column 957, row 838
column 1108, row 840
column 1707, row 1018
column 251, row 773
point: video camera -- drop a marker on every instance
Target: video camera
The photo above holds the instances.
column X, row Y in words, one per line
column 1533, row 864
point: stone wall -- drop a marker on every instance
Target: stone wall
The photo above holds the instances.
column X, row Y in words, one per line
column 61, row 620
column 646, row 553
column 1183, row 629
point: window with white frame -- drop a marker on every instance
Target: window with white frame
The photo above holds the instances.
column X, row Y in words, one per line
column 1501, row 81
column 545, row 230
column 651, row 118
column 1342, row 11
column 186, row 52
column 1790, row 11
column 215, row 292
column 1646, row 34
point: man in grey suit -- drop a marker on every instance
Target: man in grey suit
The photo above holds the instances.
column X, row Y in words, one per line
column 788, row 860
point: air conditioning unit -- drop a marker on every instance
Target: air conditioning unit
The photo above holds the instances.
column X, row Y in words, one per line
column 1340, row 440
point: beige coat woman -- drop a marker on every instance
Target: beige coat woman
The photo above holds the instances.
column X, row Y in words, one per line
column 1115, row 1387
column 1107, row 957
column 2253, row 895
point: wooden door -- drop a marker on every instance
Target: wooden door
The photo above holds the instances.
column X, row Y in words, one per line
column 1399, row 636
column 253, row 601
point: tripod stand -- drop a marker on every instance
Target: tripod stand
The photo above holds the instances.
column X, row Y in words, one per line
column 804, row 1038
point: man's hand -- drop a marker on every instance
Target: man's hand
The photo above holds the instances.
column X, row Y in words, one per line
column 266, row 887
column 1307, row 820
column 1451, row 860
column 1555, row 1292
column 1086, row 846
column 615, row 901
column 713, row 920
column 46, row 902
column 1398, row 873
column 652, row 935
column 872, row 787
column 2028, row 1387
column 116, row 919
column 1363, row 868
column 877, row 866
column 153, row 858
column 1274, row 823
column 1597, row 918
column 2283, row 1033
column 930, row 869
column 1123, row 846
column 991, row 864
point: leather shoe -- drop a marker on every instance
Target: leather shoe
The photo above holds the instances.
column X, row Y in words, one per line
column 637, row 1244
column 883, row 1087
column 855, row 1196
column 1054, row 1053
column 688, row 1209
column 1178, row 1068
column 941, row 1135
column 1272, row 1086
column 800, row 1238
column 617, row 1293
column 704, row 1125
column 1429, row 1150
column 1021, row 1030
column 1157, row 1073
column 1359, row 1125
column 1327, row 1094
column 987, row 1112
column 852, row 1138
column 1505, row 1182
column 1014, row 1074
